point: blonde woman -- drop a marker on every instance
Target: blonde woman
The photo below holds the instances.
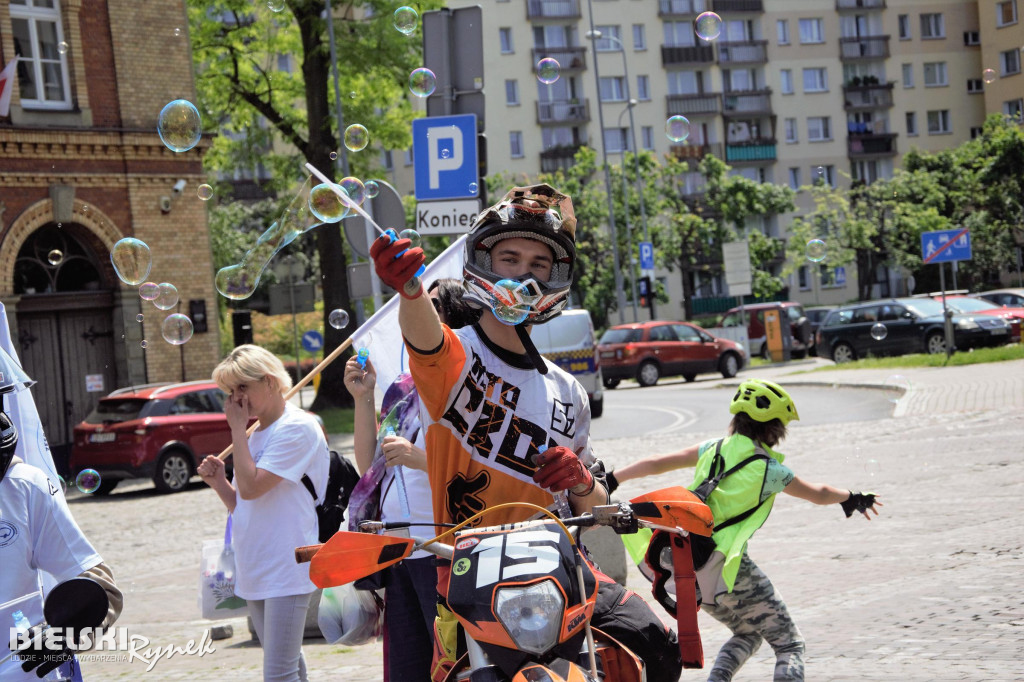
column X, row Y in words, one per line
column 273, row 512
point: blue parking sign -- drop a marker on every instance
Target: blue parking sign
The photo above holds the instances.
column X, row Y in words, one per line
column 444, row 157
column 646, row 256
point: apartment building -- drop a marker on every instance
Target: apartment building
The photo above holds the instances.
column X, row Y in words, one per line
column 791, row 92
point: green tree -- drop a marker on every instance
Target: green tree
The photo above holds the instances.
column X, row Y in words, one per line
column 280, row 119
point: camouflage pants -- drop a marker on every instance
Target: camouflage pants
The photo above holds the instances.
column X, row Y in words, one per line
column 754, row 611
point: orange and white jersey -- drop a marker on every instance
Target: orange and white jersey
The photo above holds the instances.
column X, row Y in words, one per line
column 488, row 412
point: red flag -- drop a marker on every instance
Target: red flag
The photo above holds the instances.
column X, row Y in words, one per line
column 7, row 87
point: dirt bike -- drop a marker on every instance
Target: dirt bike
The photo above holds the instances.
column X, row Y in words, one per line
column 523, row 593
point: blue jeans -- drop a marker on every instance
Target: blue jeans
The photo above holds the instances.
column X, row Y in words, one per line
column 279, row 623
column 410, row 605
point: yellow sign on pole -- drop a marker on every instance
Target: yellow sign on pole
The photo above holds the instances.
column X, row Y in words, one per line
column 773, row 330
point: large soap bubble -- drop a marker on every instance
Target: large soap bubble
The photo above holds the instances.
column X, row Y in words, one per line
column 356, row 137
column 677, row 128
column 548, row 70
column 167, row 296
column 422, row 82
column 132, row 260
column 179, row 125
column 406, row 19
column 505, row 303
column 176, row 329
column 325, row 203
column 816, row 250
column 707, row 26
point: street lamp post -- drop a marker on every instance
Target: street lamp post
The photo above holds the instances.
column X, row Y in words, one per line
column 620, row 295
column 625, row 209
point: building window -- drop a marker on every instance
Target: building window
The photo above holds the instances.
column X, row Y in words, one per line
column 639, row 37
column 791, row 134
column 815, row 80
column 515, row 144
column 613, row 89
column 643, row 88
column 812, row 31
column 911, row 124
column 975, row 85
column 794, row 178
column 803, row 278
column 505, row 38
column 908, row 76
column 824, row 175
column 42, row 69
column 782, row 28
column 407, row 157
column 819, row 128
column 938, row 122
column 512, row 93
column 386, row 161
column 976, row 132
column 904, row 27
column 647, row 135
column 932, row 27
column 1009, row 62
column 616, row 140
column 786, row 78
column 1013, row 108
column 679, row 34
column 1006, row 13
column 972, row 38
column 935, row 75
column 605, row 44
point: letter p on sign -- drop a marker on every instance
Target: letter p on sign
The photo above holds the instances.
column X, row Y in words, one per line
column 445, row 144
column 445, row 157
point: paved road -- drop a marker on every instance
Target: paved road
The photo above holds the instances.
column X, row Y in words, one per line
column 929, row 591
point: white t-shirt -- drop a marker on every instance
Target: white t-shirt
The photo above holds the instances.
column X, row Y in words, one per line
column 417, row 486
column 37, row 532
column 269, row 528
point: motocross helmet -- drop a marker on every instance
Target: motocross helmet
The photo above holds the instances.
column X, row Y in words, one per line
column 763, row 401
column 8, row 442
column 537, row 212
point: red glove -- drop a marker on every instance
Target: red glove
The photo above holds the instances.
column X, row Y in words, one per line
column 395, row 270
column 560, row 469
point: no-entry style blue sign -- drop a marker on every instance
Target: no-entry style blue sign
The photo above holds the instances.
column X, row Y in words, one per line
column 312, row 341
column 946, row 246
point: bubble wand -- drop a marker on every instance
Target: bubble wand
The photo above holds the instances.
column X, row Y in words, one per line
column 403, row 494
column 561, row 499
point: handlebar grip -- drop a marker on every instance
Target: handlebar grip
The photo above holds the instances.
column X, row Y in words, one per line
column 305, row 554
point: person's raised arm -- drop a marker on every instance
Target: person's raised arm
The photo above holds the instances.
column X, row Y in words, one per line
column 659, row 464
column 396, row 265
column 821, row 493
column 360, row 383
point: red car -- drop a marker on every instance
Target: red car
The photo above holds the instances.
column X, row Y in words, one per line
column 969, row 305
column 647, row 351
column 158, row 431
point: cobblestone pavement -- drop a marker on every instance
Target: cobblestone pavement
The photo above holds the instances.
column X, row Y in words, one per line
column 928, row 591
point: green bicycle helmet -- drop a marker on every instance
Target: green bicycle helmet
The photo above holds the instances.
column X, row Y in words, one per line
column 763, row 401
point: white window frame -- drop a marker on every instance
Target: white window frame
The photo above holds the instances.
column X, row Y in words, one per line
column 791, row 131
column 794, row 178
column 604, row 44
column 976, row 131
column 819, row 128
column 647, row 138
column 786, row 81
column 617, row 84
column 942, row 118
column 939, row 73
column 33, row 16
column 830, row 175
column 933, row 26
column 505, row 40
column 782, row 31
column 908, row 76
column 641, row 44
column 407, row 159
column 1013, row 108
column 515, row 140
column 975, row 86
column 903, row 27
column 814, row 33
column 972, row 38
column 513, row 100
column 623, row 143
column 999, row 13
column 911, row 123
column 643, row 88
column 1009, row 62
column 819, row 79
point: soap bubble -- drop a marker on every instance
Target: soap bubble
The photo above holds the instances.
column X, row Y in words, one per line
column 177, row 31
column 879, row 331
column 819, row 172
column 176, row 329
column 179, row 125
column 140, row 317
column 144, row 344
column 63, row 484
column 275, row 5
column 988, row 75
column 422, row 82
column 334, row 156
column 816, row 250
column 547, row 70
column 677, row 128
column 338, row 318
column 238, row 282
column 505, row 303
column 895, row 387
column 167, row 296
column 406, row 19
column 871, row 466
column 325, row 204
column 88, row 480
column 372, row 189
column 55, row 257
column 355, row 189
column 445, row 153
column 472, row 188
column 62, row 47
column 707, row 25
column 132, row 260
column 412, row 235
column 356, row 137
column 204, row 192
column 149, row 291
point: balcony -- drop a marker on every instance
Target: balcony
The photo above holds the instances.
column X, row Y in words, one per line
column 709, row 103
column 747, row 103
column 723, row 6
column 858, row 5
column 561, row 113
column 672, row 55
column 865, row 97
column 745, row 52
column 863, row 48
column 696, row 152
column 558, row 158
column 681, row 9
column 756, row 151
column 553, row 9
column 568, row 58
column 871, row 145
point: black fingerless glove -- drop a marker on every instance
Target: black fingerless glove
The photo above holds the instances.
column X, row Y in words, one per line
column 857, row 502
column 613, row 483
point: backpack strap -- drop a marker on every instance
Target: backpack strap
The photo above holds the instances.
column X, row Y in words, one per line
column 309, row 486
column 710, row 483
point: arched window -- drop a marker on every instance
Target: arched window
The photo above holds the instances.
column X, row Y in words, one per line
column 52, row 260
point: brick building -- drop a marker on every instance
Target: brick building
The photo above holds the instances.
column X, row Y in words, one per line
column 82, row 166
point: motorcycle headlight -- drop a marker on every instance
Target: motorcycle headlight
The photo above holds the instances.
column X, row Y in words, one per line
column 967, row 323
column 531, row 615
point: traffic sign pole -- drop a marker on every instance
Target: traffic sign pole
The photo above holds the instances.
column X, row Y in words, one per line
column 947, row 314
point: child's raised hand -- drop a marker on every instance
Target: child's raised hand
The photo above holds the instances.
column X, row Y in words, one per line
column 861, row 502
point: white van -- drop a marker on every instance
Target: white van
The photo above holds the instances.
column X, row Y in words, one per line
column 568, row 341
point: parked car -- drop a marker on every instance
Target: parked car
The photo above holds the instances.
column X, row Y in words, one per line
column 158, row 431
column 568, row 341
column 799, row 326
column 817, row 314
column 911, row 325
column 1013, row 298
column 980, row 306
column 647, row 351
